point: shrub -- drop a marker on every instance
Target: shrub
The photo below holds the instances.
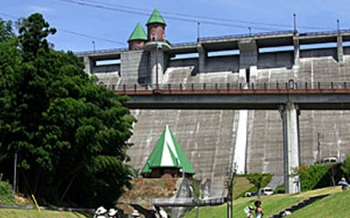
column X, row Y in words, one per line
column 6, row 193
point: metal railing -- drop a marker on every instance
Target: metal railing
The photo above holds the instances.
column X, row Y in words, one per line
column 235, row 36
column 101, row 51
column 177, row 201
column 290, row 85
column 324, row 33
column 282, row 32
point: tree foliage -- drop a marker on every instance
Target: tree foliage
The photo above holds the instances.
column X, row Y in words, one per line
column 317, row 175
column 259, row 180
column 345, row 167
column 70, row 134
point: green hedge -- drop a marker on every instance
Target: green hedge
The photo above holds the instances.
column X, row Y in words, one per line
column 319, row 176
column 6, row 193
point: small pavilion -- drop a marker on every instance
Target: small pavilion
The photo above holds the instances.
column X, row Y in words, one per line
column 167, row 159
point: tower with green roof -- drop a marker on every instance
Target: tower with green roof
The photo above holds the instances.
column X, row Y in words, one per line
column 156, row 27
column 167, row 159
column 137, row 39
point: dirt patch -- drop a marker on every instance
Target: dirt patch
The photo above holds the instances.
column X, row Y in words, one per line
column 146, row 189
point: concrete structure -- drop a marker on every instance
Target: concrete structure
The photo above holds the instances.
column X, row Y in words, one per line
column 209, row 136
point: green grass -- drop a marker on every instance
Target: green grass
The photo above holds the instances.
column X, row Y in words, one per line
column 6, row 197
column 335, row 205
column 16, row 213
column 241, row 186
column 332, row 206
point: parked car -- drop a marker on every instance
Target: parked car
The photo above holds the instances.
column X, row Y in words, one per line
column 266, row 191
column 329, row 160
column 250, row 194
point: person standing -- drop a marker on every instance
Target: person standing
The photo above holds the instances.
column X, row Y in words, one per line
column 250, row 212
column 258, row 210
column 343, row 183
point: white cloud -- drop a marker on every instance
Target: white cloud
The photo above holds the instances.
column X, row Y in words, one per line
column 39, row 9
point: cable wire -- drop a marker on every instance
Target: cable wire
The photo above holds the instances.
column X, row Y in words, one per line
column 179, row 16
column 73, row 33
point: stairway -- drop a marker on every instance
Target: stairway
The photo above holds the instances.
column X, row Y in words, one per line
column 298, row 206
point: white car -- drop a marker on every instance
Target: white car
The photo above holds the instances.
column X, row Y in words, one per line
column 250, row 194
column 266, row 191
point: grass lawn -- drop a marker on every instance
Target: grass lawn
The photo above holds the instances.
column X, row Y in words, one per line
column 16, row 213
column 331, row 206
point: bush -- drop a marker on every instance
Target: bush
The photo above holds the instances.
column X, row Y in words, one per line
column 6, row 193
column 319, row 176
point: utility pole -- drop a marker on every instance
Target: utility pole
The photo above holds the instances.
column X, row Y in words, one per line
column 198, row 23
column 295, row 23
column 338, row 28
column 229, row 184
column 15, row 175
column 319, row 136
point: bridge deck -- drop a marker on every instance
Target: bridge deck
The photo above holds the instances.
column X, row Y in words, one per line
column 326, row 96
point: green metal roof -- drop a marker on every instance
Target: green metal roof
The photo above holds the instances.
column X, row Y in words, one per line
column 168, row 153
column 156, row 18
column 138, row 34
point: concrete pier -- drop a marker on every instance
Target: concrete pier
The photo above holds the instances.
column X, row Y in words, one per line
column 291, row 153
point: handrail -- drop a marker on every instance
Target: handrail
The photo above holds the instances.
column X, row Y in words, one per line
column 101, row 51
column 195, row 87
column 282, row 32
column 236, row 36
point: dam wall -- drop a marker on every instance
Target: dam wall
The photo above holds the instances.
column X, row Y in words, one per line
column 208, row 137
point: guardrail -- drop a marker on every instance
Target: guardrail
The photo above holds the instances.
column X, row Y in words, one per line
column 178, row 201
column 290, row 85
column 101, row 51
column 247, row 35
column 236, row 36
column 324, row 33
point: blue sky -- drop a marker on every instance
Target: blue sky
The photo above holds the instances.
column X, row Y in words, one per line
column 107, row 24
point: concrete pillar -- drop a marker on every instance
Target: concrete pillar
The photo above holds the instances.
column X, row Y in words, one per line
column 89, row 64
column 296, row 50
column 248, row 51
column 340, row 49
column 291, row 151
column 202, row 58
column 242, row 76
column 157, row 61
column 157, row 66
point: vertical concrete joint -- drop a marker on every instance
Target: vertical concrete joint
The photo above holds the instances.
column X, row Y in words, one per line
column 340, row 52
column 89, row 64
column 296, row 50
column 202, row 53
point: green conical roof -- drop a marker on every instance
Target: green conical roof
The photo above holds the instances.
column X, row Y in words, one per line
column 156, row 18
column 168, row 153
column 138, row 34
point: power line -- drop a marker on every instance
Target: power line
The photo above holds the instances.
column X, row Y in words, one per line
column 175, row 16
column 89, row 36
column 74, row 33
column 132, row 11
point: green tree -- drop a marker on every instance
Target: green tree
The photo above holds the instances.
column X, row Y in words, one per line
column 345, row 167
column 69, row 133
column 259, row 180
column 9, row 66
column 300, row 174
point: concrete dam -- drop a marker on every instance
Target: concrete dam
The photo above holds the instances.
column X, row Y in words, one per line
column 215, row 141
